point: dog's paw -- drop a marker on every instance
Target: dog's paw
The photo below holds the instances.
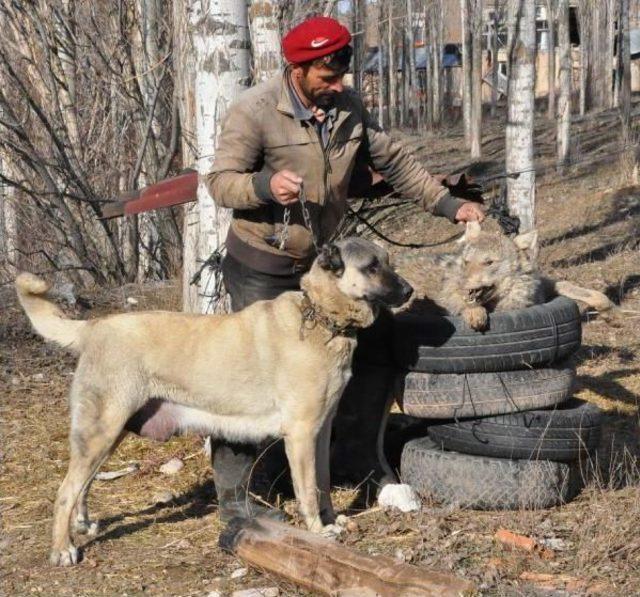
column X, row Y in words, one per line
column 476, row 318
column 64, row 557
column 86, row 527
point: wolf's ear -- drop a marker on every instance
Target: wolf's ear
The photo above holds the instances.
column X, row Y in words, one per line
column 528, row 243
column 330, row 259
column 473, row 231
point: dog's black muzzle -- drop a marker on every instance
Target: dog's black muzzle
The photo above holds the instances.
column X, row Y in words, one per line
column 395, row 291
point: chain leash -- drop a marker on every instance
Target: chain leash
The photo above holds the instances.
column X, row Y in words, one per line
column 286, row 219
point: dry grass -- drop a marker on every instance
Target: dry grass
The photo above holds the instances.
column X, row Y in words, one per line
column 590, row 234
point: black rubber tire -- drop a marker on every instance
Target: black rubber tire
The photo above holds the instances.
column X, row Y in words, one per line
column 483, row 483
column 565, row 433
column 535, row 336
column 452, row 396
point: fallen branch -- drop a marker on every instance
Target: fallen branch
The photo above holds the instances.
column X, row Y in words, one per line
column 329, row 568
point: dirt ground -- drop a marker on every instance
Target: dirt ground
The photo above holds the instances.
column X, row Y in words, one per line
column 154, row 544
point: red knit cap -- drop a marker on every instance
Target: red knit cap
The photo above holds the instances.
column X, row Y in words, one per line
column 314, row 38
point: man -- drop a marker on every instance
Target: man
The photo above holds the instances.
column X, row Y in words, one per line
column 302, row 132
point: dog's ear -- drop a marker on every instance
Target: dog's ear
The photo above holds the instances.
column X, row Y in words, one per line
column 473, row 231
column 330, row 259
column 528, row 243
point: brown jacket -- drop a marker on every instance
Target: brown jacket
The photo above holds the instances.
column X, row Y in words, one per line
column 260, row 136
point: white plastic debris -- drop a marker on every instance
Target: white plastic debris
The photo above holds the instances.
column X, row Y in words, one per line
column 172, row 467
column 239, row 573
column 258, row 592
column 399, row 496
column 111, row 475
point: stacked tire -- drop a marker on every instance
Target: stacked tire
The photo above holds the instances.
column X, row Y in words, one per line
column 505, row 432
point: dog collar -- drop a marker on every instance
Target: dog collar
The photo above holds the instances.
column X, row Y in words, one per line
column 312, row 316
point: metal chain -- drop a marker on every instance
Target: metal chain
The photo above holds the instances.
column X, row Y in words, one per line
column 286, row 219
column 307, row 217
column 284, row 233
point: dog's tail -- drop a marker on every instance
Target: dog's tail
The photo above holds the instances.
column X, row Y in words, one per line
column 47, row 319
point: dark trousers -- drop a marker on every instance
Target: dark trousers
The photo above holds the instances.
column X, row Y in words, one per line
column 361, row 408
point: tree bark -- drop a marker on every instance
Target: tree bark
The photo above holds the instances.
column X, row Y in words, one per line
column 221, row 44
column 265, row 40
column 329, row 568
column 476, row 78
column 563, row 117
column 437, row 35
column 625, row 56
column 494, row 63
column 392, row 74
column 467, row 76
column 551, row 20
column 585, row 54
column 381, row 76
column 519, row 131
column 413, row 104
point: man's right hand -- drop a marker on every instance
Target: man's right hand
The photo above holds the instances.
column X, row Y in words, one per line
column 285, row 186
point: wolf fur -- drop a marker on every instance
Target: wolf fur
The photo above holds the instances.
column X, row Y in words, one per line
column 493, row 272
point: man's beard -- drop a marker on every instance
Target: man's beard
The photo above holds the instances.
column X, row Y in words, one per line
column 325, row 101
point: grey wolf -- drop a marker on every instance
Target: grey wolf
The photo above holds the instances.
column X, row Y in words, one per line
column 493, row 272
column 274, row 369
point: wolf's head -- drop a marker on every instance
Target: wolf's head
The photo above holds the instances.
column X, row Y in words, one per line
column 486, row 261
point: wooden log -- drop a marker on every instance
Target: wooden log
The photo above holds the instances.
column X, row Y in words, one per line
column 322, row 565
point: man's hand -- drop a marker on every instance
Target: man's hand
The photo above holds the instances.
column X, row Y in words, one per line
column 470, row 212
column 285, row 186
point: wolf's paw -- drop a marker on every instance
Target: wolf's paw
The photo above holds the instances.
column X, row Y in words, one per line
column 476, row 318
column 64, row 557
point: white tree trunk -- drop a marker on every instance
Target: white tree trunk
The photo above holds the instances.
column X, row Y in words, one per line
column 393, row 82
column 265, row 39
column 466, row 69
column 585, row 54
column 476, row 79
column 8, row 228
column 185, row 75
column 551, row 54
column 625, row 59
column 436, row 45
column 563, row 118
column 519, row 133
column 221, row 44
column 413, row 104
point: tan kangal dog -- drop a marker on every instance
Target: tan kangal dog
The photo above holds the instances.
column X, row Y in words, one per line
column 275, row 369
column 493, row 272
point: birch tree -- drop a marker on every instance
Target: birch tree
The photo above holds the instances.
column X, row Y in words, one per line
column 220, row 33
column 563, row 117
column 466, row 69
column 185, row 75
column 265, row 40
column 519, row 130
column 476, row 78
column 392, row 74
column 8, row 227
column 551, row 55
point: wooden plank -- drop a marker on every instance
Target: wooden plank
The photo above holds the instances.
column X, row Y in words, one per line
column 322, row 565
